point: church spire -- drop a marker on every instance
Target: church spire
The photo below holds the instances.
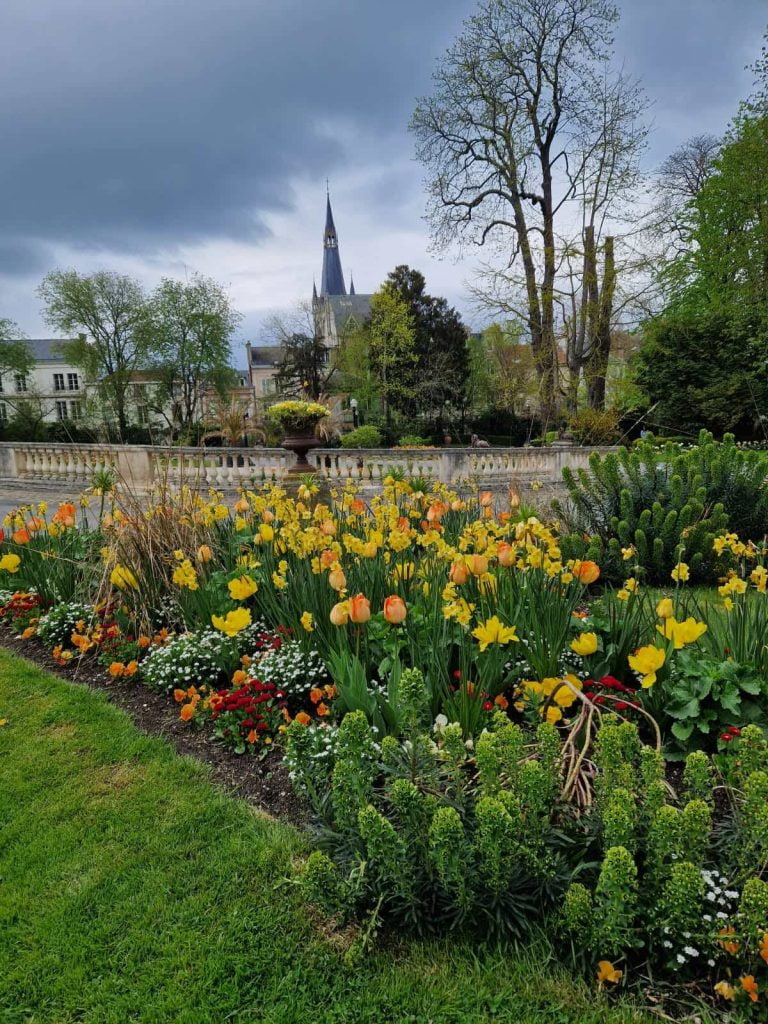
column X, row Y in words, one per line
column 351, row 284
column 332, row 281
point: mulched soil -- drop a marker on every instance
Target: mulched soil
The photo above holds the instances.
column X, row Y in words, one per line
column 262, row 783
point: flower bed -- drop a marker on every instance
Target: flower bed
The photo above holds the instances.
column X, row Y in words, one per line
column 450, row 692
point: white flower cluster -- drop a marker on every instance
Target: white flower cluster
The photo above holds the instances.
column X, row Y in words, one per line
column 58, row 624
column 723, row 902
column 293, row 670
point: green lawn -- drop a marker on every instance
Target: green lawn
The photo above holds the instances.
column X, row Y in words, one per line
column 131, row 889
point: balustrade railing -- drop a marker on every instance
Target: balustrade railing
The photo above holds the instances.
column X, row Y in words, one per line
column 143, row 467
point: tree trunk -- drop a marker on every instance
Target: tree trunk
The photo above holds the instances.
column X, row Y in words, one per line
column 601, row 345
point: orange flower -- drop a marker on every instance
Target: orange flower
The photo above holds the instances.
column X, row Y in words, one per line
column 328, row 527
column 187, row 712
column 143, row 642
column 131, row 668
column 359, row 609
column 586, row 572
column 35, row 523
column 65, row 514
column 486, row 498
column 245, row 660
column 303, row 718
column 28, row 632
column 252, row 736
column 179, row 695
column 340, row 613
column 327, row 558
column 764, row 947
column 315, row 695
column 239, row 677
column 501, row 702
column 358, row 507
column 478, row 564
column 749, row 985
column 322, row 710
column 241, row 505
column 337, row 579
column 505, row 554
column 204, row 553
column 21, row 536
column 395, row 610
column 116, row 669
column 459, row 573
column 729, row 945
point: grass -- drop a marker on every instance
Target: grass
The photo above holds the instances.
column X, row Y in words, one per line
column 133, row 890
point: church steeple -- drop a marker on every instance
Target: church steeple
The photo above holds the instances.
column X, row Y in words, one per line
column 332, row 281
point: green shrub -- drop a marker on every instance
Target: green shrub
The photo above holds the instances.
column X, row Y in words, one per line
column 362, row 437
column 666, row 505
column 595, row 427
column 413, row 441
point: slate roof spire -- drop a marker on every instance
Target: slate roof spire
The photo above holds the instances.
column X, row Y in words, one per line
column 332, row 281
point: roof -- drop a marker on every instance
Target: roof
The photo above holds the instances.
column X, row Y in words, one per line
column 346, row 306
column 43, row 349
column 332, row 281
column 265, row 355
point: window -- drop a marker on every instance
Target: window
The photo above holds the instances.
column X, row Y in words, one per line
column 20, row 380
column 268, row 385
column 1, row 385
column 58, row 382
column 3, row 412
column 61, row 410
column 73, row 384
column 143, row 414
column 75, row 410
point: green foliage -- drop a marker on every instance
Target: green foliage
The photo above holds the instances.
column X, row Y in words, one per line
column 363, row 437
column 616, row 898
column 668, row 504
column 595, row 426
column 698, row 777
column 704, row 698
column 412, row 441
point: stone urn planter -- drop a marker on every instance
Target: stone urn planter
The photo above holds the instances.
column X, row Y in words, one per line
column 299, row 421
column 301, row 445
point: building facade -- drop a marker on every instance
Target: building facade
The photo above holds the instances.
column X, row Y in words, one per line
column 54, row 387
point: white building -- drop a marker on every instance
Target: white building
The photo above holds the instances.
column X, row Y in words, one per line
column 55, row 386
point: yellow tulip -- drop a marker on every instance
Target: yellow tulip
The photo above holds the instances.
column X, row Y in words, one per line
column 585, row 644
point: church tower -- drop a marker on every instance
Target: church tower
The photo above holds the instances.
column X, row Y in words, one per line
column 332, row 281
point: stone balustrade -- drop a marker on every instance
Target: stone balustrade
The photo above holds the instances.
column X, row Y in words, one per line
column 72, row 466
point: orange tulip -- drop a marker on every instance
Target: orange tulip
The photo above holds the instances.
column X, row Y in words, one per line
column 586, row 572
column 359, row 609
column 337, row 579
column 357, row 506
column 204, row 553
column 395, row 610
column 327, row 558
column 486, row 498
column 478, row 564
column 505, row 554
column 340, row 613
column 242, row 506
column 459, row 573
column 267, row 516
column 21, row 536
column 65, row 514
column 328, row 527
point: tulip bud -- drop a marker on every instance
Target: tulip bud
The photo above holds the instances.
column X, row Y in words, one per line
column 337, row 579
column 459, row 573
column 359, row 609
column 506, row 554
column 478, row 564
column 395, row 610
column 340, row 613
column 204, row 553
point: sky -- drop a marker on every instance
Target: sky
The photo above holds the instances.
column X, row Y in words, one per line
column 166, row 137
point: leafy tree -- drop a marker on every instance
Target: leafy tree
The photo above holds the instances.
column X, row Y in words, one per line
column 392, row 350
column 192, row 324
column 110, row 313
column 702, row 368
column 15, row 354
column 502, row 370
column 527, row 126
column 440, row 342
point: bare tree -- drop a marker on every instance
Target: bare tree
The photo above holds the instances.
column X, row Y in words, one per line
column 677, row 184
column 522, row 109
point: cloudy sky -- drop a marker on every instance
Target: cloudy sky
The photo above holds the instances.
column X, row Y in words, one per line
column 161, row 137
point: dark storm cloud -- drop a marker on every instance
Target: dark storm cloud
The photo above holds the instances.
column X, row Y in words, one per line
column 135, row 125
column 126, row 121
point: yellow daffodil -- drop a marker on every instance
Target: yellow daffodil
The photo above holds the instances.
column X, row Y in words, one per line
column 606, row 972
column 307, row 621
column 680, row 573
column 185, row 576
column 665, row 609
column 233, row 622
column 493, row 631
column 647, row 661
column 122, row 578
column 242, row 588
column 627, row 553
column 682, row 633
column 585, row 644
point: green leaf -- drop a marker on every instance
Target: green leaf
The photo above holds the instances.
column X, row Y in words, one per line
column 683, row 730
